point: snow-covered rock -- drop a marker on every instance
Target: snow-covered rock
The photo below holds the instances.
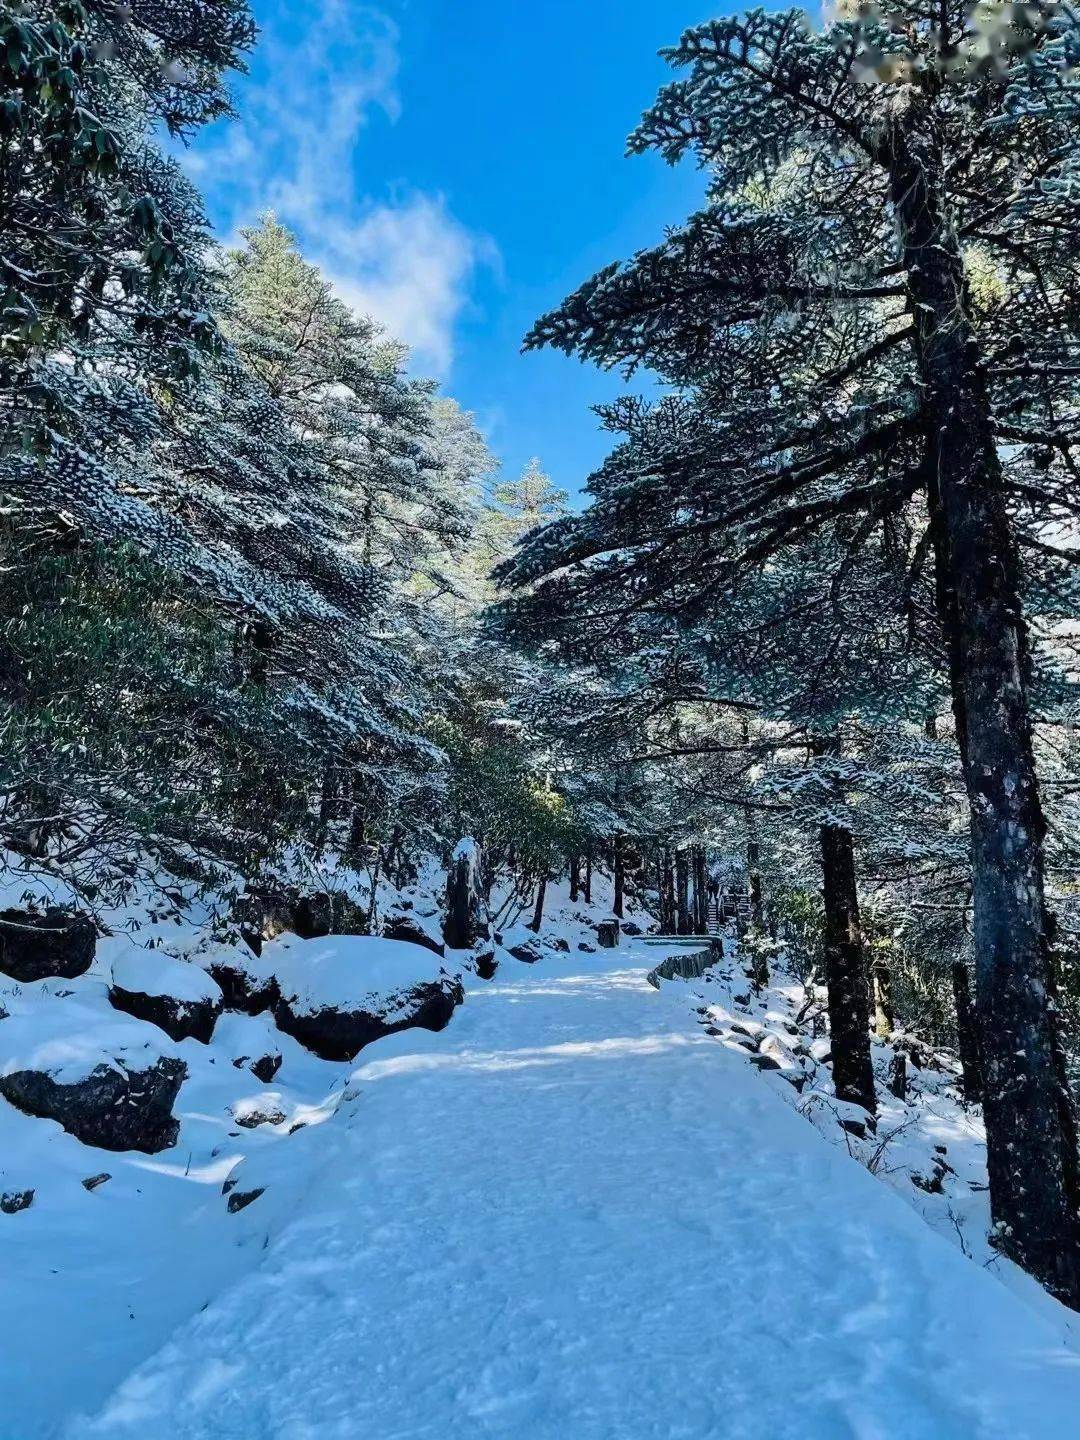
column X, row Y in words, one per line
column 341, row 993
column 108, row 1082
column 249, row 1043
column 256, row 1110
column 36, row 944
column 405, row 924
column 246, row 980
column 178, row 997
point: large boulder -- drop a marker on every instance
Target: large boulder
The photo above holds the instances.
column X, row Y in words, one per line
column 246, row 982
column 112, row 1107
column 328, row 914
column 106, row 1078
column 402, row 924
column 38, row 943
column 341, row 993
column 177, row 996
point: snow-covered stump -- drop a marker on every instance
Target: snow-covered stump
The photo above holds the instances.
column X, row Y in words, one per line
column 464, row 924
column 608, row 932
column 36, row 944
column 176, row 996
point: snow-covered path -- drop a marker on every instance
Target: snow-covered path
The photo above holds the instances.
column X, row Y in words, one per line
column 574, row 1215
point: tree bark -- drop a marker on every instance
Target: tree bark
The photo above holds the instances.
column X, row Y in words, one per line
column 701, row 892
column 682, row 898
column 619, row 877
column 538, row 908
column 668, row 919
column 757, row 905
column 575, row 878
column 588, row 875
column 845, row 971
column 884, row 1014
column 971, row 1080
column 1034, row 1177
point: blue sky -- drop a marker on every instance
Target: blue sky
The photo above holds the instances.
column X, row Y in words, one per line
column 456, row 167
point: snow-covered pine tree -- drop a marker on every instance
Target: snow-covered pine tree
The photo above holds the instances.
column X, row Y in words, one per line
column 879, row 297
column 101, row 245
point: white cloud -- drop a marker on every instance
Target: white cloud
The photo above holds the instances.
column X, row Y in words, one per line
column 405, row 260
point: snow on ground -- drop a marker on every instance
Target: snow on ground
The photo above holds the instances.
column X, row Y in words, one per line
column 576, row 1213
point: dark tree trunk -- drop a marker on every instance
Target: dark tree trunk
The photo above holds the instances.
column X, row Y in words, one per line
column 588, row 875
column 620, row 876
column 898, row 1075
column 966, row 1034
column 668, row 918
column 682, row 899
column 884, row 1014
column 701, row 892
column 575, row 878
column 1034, row 1179
column 538, row 908
column 757, row 905
column 845, row 971
column 357, row 836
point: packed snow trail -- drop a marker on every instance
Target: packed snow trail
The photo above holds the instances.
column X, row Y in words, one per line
column 574, row 1214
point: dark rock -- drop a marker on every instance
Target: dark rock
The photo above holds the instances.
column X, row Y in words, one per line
column 586, row 947
column 180, row 1019
column 324, row 914
column 93, row 1181
column 241, row 987
column 342, row 1034
column 241, row 1199
column 464, row 924
column 712, row 1030
column 398, row 926
column 36, row 944
column 264, row 1067
column 631, row 927
column 12, row 1201
column 556, row 942
column 854, row 1127
column 251, row 1117
column 112, row 1107
column 607, row 934
column 765, row 1062
column 528, row 952
column 486, row 964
